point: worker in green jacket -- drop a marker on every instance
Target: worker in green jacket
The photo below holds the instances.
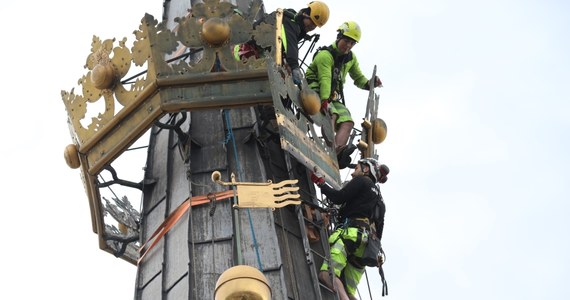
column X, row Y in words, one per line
column 327, row 74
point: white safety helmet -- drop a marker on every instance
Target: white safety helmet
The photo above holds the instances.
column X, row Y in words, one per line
column 378, row 171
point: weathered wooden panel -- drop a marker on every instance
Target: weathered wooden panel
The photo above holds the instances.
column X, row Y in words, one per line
column 177, row 257
column 208, row 152
column 156, row 168
column 207, row 126
column 214, row 260
column 178, row 156
column 212, row 158
column 241, row 117
column 155, row 208
column 151, row 265
column 294, row 254
column 265, row 244
column 152, row 290
column 178, row 291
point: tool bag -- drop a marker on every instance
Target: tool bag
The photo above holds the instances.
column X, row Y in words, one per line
column 372, row 252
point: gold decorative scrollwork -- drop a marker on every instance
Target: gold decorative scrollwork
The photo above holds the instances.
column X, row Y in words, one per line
column 211, row 30
column 106, row 65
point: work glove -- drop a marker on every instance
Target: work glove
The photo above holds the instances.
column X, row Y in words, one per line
column 377, row 83
column 325, row 105
column 318, row 179
column 384, row 170
column 297, row 75
column 380, row 259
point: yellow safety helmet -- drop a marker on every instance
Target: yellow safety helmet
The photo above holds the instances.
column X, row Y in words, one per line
column 350, row 29
column 319, row 13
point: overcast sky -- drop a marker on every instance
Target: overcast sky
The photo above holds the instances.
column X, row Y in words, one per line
column 477, row 105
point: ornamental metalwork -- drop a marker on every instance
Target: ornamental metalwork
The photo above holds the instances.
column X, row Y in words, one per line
column 188, row 68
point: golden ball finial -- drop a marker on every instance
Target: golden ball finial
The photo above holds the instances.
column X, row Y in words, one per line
column 311, row 101
column 242, row 282
column 71, row 156
column 215, row 31
column 379, row 131
column 103, row 76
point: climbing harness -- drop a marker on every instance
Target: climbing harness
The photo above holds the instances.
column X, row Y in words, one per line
column 338, row 62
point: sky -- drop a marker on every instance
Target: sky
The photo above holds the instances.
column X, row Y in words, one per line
column 475, row 96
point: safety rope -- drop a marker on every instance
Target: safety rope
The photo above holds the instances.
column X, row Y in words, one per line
column 230, row 137
column 237, row 221
column 368, row 284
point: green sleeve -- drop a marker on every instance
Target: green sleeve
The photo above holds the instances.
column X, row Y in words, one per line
column 324, row 63
column 356, row 74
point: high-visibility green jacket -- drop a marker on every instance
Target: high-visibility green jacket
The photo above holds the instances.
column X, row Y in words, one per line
column 320, row 72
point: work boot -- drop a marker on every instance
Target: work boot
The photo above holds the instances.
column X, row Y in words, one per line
column 343, row 156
